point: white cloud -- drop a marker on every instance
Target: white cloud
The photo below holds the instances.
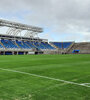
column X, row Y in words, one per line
column 61, row 16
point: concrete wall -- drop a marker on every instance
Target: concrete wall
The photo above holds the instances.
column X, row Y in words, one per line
column 84, row 48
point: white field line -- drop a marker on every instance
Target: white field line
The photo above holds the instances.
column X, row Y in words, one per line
column 45, row 77
column 86, row 84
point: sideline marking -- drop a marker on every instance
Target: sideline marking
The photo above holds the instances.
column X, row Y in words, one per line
column 45, row 77
column 87, row 84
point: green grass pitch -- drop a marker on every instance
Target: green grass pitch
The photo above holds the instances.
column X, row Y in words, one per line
column 25, row 86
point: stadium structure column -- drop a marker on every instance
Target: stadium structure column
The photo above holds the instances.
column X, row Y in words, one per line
column 24, row 52
column 12, row 52
column 3, row 52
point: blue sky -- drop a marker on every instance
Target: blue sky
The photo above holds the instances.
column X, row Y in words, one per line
column 61, row 20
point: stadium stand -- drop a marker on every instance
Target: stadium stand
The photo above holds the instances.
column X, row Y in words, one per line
column 61, row 45
column 9, row 45
column 81, row 48
column 13, row 43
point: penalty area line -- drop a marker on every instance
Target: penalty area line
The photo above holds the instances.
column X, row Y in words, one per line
column 45, row 77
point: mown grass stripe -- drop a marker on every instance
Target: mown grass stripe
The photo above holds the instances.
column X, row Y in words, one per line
column 46, row 77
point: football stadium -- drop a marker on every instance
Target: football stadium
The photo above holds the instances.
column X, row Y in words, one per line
column 32, row 68
column 12, row 44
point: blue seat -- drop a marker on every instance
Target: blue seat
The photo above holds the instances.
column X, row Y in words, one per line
column 22, row 45
column 47, row 46
column 8, row 44
column 1, row 46
column 62, row 45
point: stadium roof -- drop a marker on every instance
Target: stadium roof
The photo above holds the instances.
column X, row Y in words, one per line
column 16, row 28
column 20, row 26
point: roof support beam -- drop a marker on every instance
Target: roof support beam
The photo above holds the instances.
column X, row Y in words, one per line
column 30, row 34
column 13, row 31
column 20, row 26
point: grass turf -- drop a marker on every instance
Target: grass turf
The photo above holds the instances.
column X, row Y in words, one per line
column 17, row 86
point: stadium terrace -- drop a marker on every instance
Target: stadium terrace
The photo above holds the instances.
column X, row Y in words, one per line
column 12, row 44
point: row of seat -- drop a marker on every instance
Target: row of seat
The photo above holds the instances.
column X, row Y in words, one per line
column 62, row 45
column 24, row 44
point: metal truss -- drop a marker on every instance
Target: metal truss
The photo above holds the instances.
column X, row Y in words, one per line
column 13, row 31
column 30, row 34
column 16, row 28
